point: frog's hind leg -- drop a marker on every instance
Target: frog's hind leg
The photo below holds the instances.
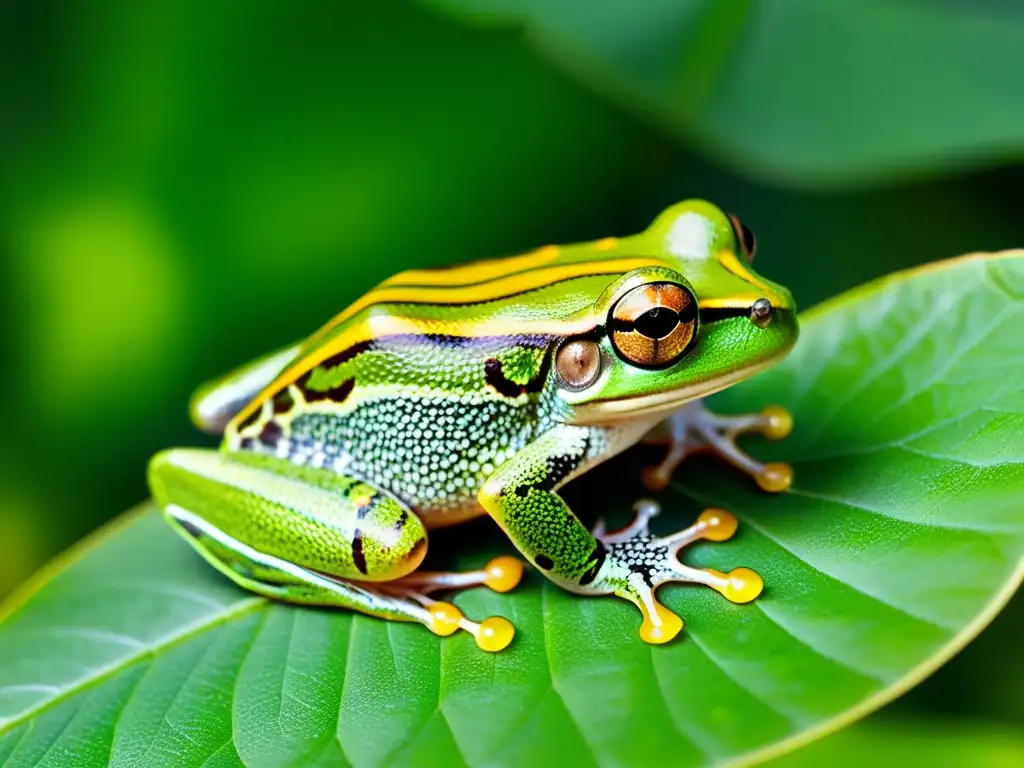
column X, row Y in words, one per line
column 305, row 535
column 695, row 429
column 279, row 579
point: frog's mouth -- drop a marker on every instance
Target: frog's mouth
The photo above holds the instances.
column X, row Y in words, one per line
column 660, row 404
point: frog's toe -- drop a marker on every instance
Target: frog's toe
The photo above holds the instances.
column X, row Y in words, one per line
column 638, row 563
column 695, row 429
column 501, row 574
column 492, row 634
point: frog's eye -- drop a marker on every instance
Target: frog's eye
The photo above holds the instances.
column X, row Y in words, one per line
column 654, row 324
column 745, row 238
column 578, row 363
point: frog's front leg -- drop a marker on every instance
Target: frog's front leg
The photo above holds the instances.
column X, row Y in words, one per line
column 521, row 496
column 694, row 429
column 311, row 536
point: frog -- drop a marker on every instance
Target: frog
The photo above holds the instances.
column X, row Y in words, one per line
column 450, row 393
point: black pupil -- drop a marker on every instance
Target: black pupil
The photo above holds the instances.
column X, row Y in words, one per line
column 656, row 323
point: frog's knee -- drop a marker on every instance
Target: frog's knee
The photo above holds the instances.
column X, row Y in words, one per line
column 165, row 475
column 388, row 541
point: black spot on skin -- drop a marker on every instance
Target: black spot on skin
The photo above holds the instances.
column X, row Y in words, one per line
column 598, row 556
column 248, row 420
column 558, row 469
column 495, row 377
column 340, row 393
column 401, row 521
column 357, row 551
column 314, row 396
column 270, row 434
column 246, row 444
column 283, row 401
column 337, row 395
column 543, row 561
column 345, row 355
column 561, row 466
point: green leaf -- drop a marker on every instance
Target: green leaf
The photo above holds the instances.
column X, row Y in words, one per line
column 901, row 538
column 801, row 92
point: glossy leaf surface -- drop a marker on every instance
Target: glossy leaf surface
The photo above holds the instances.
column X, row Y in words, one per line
column 901, row 537
column 801, row 92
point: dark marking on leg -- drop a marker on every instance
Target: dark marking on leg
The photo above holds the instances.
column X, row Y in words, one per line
column 545, row 562
column 401, row 521
column 561, row 466
column 522, row 491
column 598, row 556
column 357, row 551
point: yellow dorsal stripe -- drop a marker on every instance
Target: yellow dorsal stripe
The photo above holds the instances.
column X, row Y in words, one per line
column 477, row 271
column 492, row 290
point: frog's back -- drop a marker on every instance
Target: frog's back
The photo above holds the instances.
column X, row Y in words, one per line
column 431, row 380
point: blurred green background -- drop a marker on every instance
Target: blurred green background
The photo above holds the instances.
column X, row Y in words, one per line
column 185, row 185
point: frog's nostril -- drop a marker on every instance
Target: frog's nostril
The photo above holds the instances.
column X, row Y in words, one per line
column 761, row 313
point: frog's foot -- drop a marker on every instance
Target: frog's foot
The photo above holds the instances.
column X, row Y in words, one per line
column 636, row 564
column 279, row 579
column 492, row 634
column 501, row 575
column 695, row 429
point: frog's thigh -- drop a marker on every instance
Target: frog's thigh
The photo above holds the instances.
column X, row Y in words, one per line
column 278, row 579
column 311, row 518
column 521, row 497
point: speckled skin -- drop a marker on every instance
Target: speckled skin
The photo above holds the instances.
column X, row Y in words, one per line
column 436, row 398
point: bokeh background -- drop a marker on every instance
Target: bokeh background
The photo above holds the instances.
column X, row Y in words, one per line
column 185, row 185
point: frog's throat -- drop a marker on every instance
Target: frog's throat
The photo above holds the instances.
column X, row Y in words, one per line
column 659, row 404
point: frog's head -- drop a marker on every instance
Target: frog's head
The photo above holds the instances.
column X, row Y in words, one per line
column 696, row 322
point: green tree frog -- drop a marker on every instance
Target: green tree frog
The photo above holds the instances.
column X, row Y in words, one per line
column 481, row 389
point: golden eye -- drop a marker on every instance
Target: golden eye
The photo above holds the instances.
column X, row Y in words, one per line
column 745, row 238
column 578, row 363
column 653, row 325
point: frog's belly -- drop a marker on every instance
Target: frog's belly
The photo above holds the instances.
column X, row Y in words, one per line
column 433, row 454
